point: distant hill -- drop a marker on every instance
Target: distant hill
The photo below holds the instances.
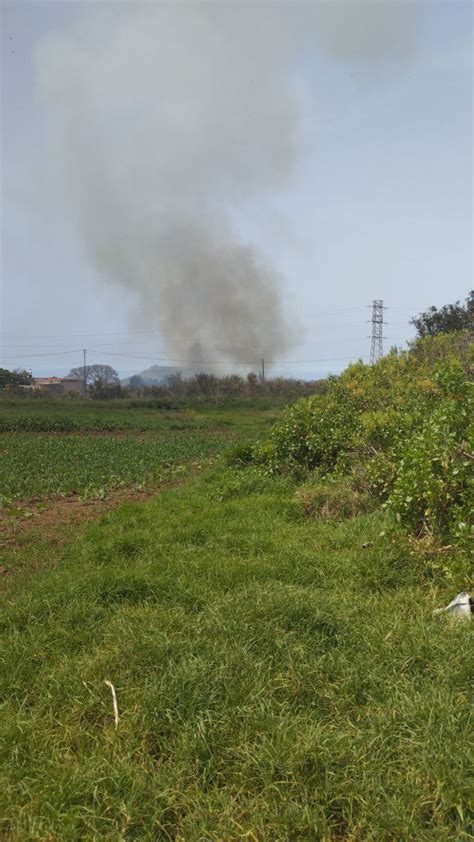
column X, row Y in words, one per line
column 157, row 375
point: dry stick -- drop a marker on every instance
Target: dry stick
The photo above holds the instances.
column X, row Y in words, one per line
column 114, row 700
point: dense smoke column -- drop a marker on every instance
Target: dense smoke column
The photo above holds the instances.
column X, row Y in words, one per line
column 167, row 121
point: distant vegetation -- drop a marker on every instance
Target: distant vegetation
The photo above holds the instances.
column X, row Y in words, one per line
column 101, row 381
column 200, row 390
column 14, row 378
column 447, row 319
column 233, row 389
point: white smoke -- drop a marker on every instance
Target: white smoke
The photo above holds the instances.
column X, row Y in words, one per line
column 167, row 117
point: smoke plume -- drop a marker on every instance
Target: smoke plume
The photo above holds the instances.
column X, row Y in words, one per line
column 168, row 118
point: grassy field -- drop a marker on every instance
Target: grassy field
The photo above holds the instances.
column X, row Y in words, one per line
column 276, row 680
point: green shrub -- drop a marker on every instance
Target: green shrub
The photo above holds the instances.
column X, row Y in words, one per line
column 401, row 429
column 432, row 487
column 314, row 433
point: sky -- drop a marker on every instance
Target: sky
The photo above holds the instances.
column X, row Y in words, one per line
column 342, row 175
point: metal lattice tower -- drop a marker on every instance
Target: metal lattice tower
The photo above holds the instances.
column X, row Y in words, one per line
column 376, row 348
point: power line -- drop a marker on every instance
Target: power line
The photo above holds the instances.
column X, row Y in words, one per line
column 154, row 333
column 190, row 362
column 322, row 314
column 221, row 362
column 376, row 346
column 30, row 349
column 49, row 354
column 23, row 350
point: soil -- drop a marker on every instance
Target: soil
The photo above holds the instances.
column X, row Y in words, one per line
column 52, row 523
column 61, row 511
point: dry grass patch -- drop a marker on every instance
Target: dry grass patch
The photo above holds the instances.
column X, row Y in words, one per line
column 334, row 499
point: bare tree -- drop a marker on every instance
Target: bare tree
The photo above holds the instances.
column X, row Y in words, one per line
column 96, row 375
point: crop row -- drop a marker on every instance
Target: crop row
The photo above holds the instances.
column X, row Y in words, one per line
column 68, row 420
column 35, row 465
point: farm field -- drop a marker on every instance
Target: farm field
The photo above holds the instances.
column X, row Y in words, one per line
column 153, row 415
column 37, row 465
column 278, row 676
column 56, row 449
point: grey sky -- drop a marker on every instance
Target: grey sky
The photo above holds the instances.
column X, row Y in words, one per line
column 377, row 202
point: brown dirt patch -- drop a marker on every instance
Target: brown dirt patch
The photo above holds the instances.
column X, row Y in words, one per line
column 56, row 513
column 52, row 523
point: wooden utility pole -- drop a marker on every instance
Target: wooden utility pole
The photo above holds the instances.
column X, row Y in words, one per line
column 263, row 370
column 84, row 374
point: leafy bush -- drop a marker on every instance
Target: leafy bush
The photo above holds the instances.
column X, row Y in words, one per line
column 314, row 433
column 10, row 379
column 433, row 479
column 403, row 425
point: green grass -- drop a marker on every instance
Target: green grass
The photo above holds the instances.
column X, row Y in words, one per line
column 275, row 680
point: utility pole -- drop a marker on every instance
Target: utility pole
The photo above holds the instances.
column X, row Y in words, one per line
column 263, row 370
column 376, row 348
column 84, row 373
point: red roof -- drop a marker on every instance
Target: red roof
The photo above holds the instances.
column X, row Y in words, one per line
column 51, row 381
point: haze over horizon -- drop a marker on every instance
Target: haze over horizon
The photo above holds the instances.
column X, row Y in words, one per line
column 222, row 182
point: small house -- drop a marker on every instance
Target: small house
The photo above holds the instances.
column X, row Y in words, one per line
column 58, row 385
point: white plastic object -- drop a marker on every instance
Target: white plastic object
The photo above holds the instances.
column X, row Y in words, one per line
column 461, row 606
